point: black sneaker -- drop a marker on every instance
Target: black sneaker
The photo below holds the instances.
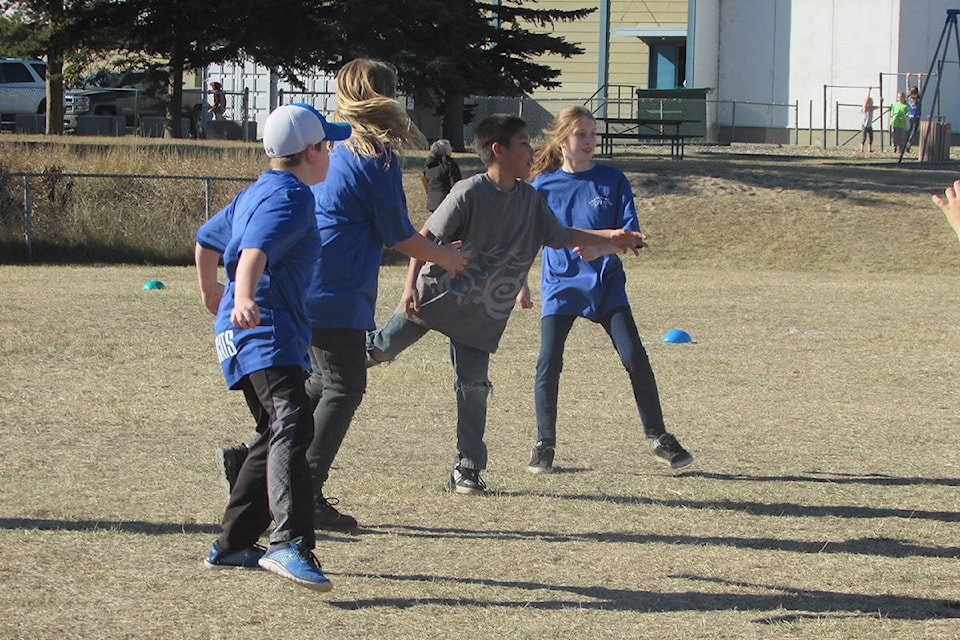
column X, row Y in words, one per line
column 326, row 516
column 541, row 458
column 466, row 481
column 669, row 450
column 231, row 459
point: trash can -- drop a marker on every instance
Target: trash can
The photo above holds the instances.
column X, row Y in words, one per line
column 934, row 141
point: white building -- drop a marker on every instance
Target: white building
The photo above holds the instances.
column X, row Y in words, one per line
column 265, row 90
column 810, row 63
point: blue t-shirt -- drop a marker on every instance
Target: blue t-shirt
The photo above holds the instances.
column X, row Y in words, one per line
column 361, row 208
column 599, row 198
column 274, row 215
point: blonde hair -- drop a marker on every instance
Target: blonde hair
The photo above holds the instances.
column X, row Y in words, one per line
column 366, row 92
column 867, row 104
column 549, row 156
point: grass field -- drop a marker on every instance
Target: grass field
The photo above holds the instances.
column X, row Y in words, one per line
column 819, row 398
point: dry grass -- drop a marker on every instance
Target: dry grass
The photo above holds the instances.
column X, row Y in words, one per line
column 819, row 399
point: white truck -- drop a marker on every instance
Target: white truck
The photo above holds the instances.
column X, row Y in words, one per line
column 23, row 88
column 129, row 95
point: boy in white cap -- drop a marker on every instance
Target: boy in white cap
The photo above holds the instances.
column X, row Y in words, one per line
column 262, row 335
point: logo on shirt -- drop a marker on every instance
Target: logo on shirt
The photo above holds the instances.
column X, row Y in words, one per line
column 225, row 347
column 475, row 286
column 601, row 203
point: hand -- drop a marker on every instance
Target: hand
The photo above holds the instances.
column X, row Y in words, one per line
column 409, row 302
column 523, row 297
column 625, row 240
column 211, row 297
column 594, row 251
column 951, row 205
column 245, row 314
column 456, row 258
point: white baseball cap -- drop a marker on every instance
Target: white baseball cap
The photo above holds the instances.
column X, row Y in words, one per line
column 291, row 128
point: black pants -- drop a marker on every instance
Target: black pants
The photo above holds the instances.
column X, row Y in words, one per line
column 338, row 380
column 274, row 481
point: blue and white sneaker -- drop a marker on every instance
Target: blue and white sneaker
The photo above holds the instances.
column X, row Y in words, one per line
column 248, row 558
column 293, row 561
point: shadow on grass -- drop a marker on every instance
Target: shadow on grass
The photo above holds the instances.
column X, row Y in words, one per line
column 831, row 478
column 123, row 526
column 608, row 599
column 778, row 509
column 885, row 547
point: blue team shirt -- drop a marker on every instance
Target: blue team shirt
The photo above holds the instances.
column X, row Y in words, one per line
column 275, row 215
column 599, row 198
column 360, row 209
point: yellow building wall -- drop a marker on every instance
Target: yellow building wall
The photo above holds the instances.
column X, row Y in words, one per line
column 628, row 55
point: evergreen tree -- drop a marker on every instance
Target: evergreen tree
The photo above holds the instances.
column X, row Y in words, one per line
column 59, row 31
column 449, row 49
column 170, row 37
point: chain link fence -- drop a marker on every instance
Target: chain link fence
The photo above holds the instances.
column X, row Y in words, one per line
column 65, row 217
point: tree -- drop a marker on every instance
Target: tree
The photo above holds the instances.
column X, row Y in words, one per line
column 171, row 37
column 449, row 49
column 58, row 30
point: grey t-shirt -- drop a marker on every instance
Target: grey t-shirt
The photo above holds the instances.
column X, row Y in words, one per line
column 504, row 230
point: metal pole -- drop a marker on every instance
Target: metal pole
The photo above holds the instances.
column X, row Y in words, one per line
column 824, row 116
column 796, row 122
column 26, row 217
column 206, row 197
column 810, row 122
column 880, row 98
column 836, row 125
column 246, row 106
column 733, row 123
column 603, row 58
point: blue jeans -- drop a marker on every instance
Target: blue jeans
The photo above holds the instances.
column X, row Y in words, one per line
column 470, row 383
column 622, row 329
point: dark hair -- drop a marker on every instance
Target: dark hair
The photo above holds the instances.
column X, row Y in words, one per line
column 499, row 127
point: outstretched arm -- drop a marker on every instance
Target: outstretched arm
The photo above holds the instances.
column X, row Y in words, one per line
column 620, row 240
column 950, row 205
column 421, row 247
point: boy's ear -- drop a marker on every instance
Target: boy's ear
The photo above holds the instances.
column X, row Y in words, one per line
column 496, row 148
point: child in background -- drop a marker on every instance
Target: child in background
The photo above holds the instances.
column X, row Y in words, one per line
column 504, row 221
column 592, row 196
column 440, row 173
column 913, row 114
column 898, row 123
column 866, row 126
column 219, row 106
column 269, row 242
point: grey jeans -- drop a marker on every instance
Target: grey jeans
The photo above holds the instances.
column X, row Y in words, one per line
column 470, row 383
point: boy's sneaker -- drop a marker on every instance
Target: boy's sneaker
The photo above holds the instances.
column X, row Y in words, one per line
column 231, row 459
column 244, row 559
column 669, row 450
column 291, row 560
column 326, row 516
column 541, row 458
column 466, row 481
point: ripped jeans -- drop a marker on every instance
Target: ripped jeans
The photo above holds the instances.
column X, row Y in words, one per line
column 470, row 383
